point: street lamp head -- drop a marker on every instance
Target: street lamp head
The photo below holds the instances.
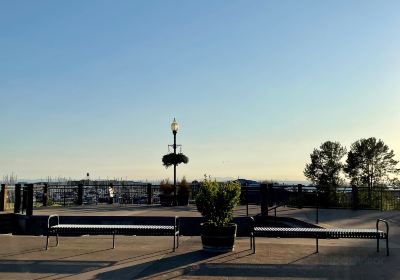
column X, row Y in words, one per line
column 174, row 126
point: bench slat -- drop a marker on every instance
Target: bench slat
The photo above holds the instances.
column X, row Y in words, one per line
column 77, row 226
column 320, row 232
column 113, row 229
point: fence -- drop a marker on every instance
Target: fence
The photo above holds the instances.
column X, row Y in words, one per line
column 379, row 197
column 80, row 193
column 18, row 196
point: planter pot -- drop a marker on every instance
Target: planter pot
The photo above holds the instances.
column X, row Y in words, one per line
column 166, row 200
column 218, row 239
column 183, row 200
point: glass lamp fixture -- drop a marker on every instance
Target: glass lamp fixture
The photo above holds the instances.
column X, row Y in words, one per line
column 174, row 126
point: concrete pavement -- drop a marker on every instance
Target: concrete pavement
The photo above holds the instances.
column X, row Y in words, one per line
column 91, row 257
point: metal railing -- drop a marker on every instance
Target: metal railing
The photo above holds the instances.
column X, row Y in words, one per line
column 361, row 197
column 94, row 192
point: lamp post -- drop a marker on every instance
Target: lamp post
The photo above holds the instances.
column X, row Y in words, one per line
column 174, row 128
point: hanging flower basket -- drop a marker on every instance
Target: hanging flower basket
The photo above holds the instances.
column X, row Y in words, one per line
column 174, row 159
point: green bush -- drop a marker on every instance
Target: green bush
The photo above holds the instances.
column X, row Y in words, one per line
column 184, row 187
column 216, row 202
column 165, row 187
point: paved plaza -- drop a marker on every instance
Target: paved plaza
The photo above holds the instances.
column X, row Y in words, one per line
column 91, row 257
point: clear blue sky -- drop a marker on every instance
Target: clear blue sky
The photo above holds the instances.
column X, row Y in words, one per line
column 92, row 86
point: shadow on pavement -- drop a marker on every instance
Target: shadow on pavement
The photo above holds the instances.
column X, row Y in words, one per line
column 265, row 270
column 173, row 264
column 161, row 266
column 50, row 266
column 24, row 252
column 70, row 267
column 287, row 271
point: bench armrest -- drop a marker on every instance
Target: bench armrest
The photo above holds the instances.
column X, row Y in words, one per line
column 386, row 223
column 51, row 218
column 176, row 224
column 253, row 224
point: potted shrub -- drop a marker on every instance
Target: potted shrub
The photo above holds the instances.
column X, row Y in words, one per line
column 216, row 202
column 166, row 193
column 183, row 192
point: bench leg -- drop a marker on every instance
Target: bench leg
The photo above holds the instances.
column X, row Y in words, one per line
column 47, row 240
column 387, row 245
column 254, row 244
column 177, row 239
column 48, row 237
column 113, row 240
column 251, row 243
column 316, row 245
column 173, row 248
column 377, row 243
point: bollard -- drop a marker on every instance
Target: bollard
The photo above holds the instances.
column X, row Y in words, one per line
column 80, row 194
column 247, row 201
column 300, row 196
column 149, row 195
column 29, row 205
column 3, row 197
column 45, row 194
column 264, row 199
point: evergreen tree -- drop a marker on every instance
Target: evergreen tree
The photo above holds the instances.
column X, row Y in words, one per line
column 370, row 162
column 326, row 165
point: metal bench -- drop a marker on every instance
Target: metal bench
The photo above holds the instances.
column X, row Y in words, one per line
column 321, row 233
column 55, row 228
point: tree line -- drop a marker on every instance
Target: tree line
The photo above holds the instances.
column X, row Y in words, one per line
column 369, row 163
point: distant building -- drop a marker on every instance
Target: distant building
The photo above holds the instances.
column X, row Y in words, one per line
column 248, row 183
